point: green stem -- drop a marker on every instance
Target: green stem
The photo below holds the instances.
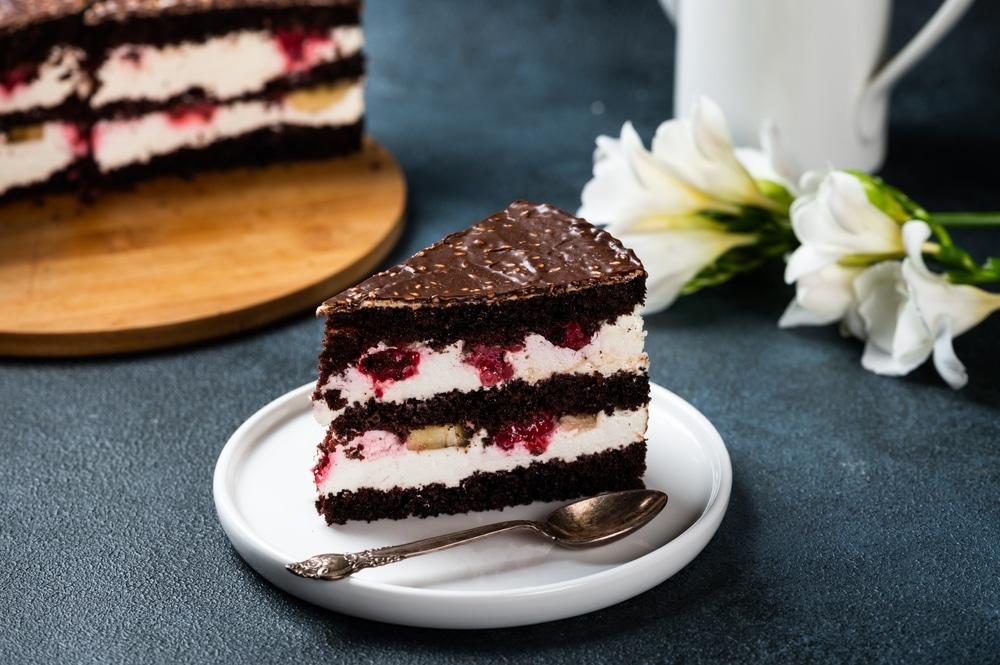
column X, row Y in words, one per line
column 967, row 220
column 960, row 268
column 863, row 260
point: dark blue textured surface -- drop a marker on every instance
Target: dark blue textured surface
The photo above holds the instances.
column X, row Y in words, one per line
column 865, row 519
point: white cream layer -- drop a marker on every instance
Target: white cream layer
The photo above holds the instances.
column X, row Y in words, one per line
column 26, row 162
column 389, row 464
column 224, row 67
column 59, row 78
column 119, row 143
column 617, row 346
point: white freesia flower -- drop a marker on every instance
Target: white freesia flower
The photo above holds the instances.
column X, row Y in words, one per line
column 772, row 162
column 836, row 221
column 700, row 152
column 692, row 168
column 698, row 211
column 884, row 310
column 822, row 297
column 905, row 313
column 673, row 258
column 630, row 186
column 666, row 203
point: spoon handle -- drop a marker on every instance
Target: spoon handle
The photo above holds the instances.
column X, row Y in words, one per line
column 339, row 566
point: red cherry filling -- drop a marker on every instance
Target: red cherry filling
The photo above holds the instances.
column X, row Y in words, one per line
column 490, row 362
column 322, row 468
column 16, row 77
column 191, row 114
column 574, row 338
column 389, row 365
column 296, row 44
column 534, row 434
column 79, row 139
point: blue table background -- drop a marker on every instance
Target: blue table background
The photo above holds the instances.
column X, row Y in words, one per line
column 864, row 518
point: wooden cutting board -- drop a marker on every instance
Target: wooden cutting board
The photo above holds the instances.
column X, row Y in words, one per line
column 178, row 261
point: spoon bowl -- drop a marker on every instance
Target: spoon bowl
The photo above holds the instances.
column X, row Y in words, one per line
column 590, row 522
column 604, row 518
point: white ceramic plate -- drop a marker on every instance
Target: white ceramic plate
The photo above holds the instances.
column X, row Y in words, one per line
column 264, row 498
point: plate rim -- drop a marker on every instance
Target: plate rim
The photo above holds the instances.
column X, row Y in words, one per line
column 265, row 559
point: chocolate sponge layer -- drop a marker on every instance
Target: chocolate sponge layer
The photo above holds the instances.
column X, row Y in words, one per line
column 494, row 323
column 612, row 470
column 562, row 394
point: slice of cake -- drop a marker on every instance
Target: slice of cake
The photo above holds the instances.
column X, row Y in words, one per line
column 504, row 364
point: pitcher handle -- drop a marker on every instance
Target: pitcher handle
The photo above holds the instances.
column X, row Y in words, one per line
column 874, row 96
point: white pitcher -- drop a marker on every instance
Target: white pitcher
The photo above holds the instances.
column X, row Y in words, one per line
column 816, row 68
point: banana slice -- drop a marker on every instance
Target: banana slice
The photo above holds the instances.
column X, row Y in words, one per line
column 438, row 436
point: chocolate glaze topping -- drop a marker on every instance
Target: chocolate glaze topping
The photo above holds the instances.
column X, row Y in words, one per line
column 526, row 250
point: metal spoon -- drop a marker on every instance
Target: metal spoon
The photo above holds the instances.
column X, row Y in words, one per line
column 598, row 520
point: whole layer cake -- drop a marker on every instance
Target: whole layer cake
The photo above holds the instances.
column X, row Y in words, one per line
column 101, row 93
column 503, row 365
column 43, row 89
